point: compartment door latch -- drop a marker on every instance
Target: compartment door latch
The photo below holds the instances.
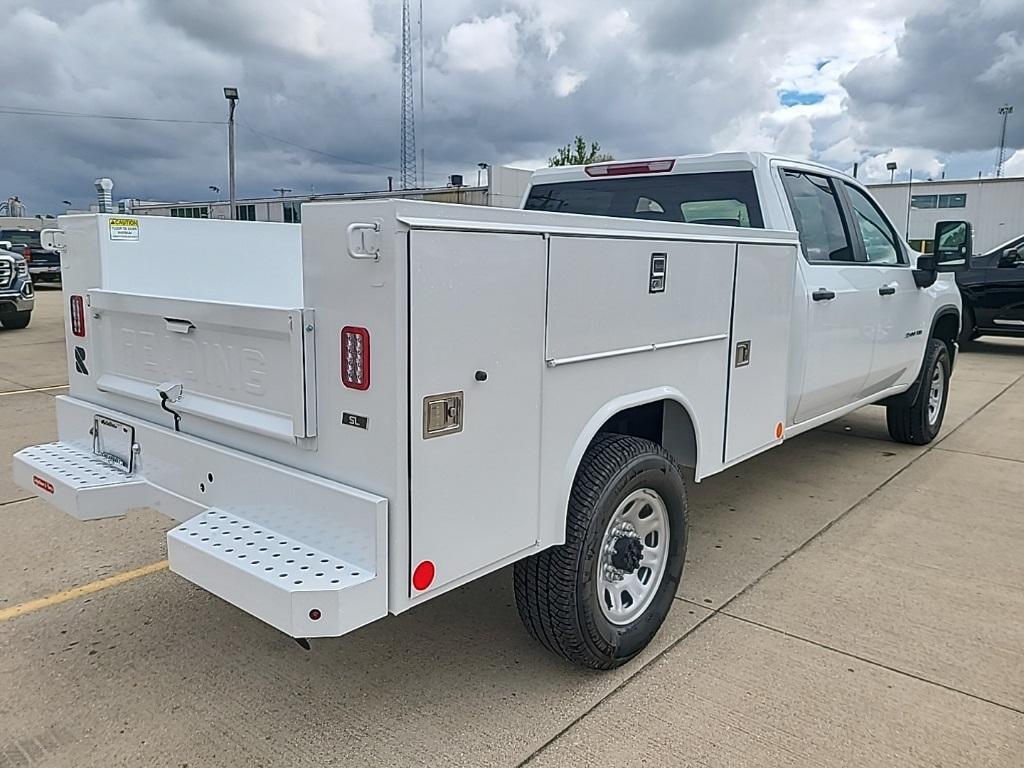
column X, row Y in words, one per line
column 442, row 414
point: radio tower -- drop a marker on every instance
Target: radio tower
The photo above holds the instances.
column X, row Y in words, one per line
column 408, row 179
column 1006, row 110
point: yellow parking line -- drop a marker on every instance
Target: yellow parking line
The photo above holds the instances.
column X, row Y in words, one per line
column 36, row 389
column 75, row 592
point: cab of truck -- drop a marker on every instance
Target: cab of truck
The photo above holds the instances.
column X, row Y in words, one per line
column 866, row 305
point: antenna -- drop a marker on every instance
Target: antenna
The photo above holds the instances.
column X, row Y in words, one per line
column 1006, row 110
column 408, row 160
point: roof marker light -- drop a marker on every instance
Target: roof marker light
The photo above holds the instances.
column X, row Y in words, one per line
column 628, row 169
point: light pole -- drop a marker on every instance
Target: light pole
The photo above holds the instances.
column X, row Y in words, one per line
column 231, row 94
column 1006, row 110
column 891, row 168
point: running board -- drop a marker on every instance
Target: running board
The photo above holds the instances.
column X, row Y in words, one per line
column 293, row 586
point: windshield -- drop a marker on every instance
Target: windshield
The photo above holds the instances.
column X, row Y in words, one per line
column 19, row 237
column 725, row 198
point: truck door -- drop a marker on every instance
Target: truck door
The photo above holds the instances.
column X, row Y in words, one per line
column 476, row 355
column 839, row 319
column 900, row 307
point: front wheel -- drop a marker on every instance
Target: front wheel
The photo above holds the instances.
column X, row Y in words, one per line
column 600, row 598
column 919, row 423
column 16, row 320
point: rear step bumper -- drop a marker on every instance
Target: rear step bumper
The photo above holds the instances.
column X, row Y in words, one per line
column 304, row 554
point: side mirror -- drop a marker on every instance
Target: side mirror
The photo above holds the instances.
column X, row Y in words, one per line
column 1011, row 258
column 953, row 246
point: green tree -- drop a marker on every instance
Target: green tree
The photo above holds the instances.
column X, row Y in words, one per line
column 578, row 153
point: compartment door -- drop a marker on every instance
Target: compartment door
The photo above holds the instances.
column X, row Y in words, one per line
column 759, row 343
column 476, row 304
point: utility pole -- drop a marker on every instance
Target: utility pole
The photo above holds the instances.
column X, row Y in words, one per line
column 1006, row 110
column 282, row 190
column 408, row 159
column 231, row 94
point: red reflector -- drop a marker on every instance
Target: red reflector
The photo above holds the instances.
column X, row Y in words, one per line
column 314, row 614
column 355, row 357
column 27, row 253
column 423, row 576
column 78, row 316
column 39, row 482
column 627, row 169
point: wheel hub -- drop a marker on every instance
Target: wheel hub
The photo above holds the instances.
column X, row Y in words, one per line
column 627, row 552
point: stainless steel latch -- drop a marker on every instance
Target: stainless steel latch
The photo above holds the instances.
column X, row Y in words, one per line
column 742, row 353
column 442, row 414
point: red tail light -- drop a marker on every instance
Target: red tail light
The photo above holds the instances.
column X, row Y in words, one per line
column 78, row 316
column 355, row 357
column 626, row 169
column 27, row 253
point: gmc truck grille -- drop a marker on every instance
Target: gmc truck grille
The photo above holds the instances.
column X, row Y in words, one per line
column 6, row 273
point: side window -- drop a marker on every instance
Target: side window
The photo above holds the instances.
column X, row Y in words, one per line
column 880, row 241
column 823, row 233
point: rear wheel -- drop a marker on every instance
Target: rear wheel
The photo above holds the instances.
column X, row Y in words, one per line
column 919, row 423
column 598, row 599
column 16, row 320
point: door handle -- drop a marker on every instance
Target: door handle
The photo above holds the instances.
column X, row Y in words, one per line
column 822, row 295
column 887, row 290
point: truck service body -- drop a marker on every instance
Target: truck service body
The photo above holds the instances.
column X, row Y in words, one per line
column 353, row 416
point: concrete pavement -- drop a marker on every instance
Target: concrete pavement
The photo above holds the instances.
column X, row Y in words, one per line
column 846, row 601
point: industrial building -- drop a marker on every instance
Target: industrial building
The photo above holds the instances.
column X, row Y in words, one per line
column 994, row 206
column 504, row 188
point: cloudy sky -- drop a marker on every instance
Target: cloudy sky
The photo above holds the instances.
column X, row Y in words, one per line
column 915, row 81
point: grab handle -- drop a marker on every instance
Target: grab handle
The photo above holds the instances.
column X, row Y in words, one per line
column 364, row 241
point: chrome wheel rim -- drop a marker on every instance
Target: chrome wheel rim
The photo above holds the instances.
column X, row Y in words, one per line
column 627, row 583
column 935, row 391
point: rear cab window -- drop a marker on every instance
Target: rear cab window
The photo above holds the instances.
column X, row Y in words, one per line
column 723, row 198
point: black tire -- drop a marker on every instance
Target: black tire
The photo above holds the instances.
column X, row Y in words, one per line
column 556, row 590
column 912, row 423
column 16, row 320
column 968, row 332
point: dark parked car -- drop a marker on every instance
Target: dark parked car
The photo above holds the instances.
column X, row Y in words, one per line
column 16, row 295
column 993, row 292
column 43, row 263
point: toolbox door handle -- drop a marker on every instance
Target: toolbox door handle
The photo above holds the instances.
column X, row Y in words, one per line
column 177, row 325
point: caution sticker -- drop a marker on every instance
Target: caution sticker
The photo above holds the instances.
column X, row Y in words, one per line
column 124, row 229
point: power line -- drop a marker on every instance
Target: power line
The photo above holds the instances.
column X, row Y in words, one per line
column 315, row 151
column 32, row 112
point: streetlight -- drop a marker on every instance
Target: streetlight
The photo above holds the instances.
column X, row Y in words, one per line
column 215, row 190
column 67, row 203
column 891, row 168
column 231, row 94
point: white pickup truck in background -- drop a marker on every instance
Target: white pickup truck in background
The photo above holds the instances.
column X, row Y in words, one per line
column 418, row 394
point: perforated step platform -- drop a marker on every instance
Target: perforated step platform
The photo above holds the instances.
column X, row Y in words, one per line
column 79, row 482
column 297, row 588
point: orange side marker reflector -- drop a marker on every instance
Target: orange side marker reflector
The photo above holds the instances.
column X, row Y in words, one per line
column 778, row 431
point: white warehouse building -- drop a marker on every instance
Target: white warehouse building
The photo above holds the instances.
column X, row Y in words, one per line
column 995, row 208
column 504, row 188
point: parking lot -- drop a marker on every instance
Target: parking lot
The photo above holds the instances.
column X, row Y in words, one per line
column 846, row 601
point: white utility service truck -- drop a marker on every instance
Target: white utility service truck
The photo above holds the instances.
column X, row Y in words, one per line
column 417, row 394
